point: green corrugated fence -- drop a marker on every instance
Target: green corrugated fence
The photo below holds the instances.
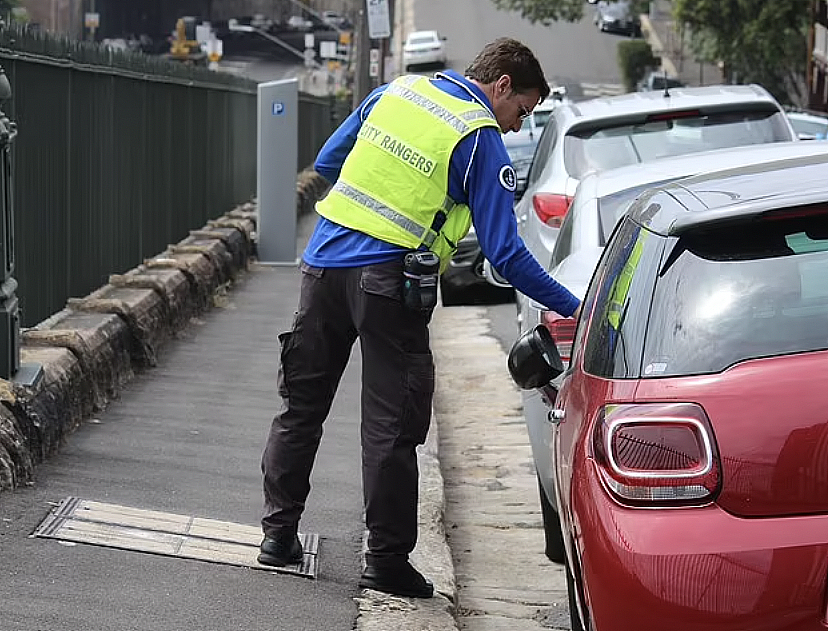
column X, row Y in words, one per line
column 119, row 155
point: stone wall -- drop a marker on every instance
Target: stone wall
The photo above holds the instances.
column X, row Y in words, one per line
column 94, row 346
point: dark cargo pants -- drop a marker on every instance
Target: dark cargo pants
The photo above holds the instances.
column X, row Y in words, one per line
column 336, row 306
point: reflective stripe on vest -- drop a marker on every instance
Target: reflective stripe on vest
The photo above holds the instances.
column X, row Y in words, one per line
column 394, row 181
column 425, row 235
column 459, row 122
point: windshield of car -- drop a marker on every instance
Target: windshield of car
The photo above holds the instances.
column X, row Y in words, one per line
column 740, row 292
column 541, row 117
column 608, row 145
column 659, row 82
column 811, row 128
column 415, row 40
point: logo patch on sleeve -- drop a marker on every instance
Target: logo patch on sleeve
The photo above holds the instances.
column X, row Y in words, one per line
column 507, row 177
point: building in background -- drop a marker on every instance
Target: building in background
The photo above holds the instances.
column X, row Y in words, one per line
column 156, row 18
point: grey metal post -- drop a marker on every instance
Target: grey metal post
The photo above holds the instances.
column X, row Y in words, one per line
column 277, row 168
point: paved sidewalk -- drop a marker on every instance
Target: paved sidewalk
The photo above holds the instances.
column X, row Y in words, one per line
column 186, row 437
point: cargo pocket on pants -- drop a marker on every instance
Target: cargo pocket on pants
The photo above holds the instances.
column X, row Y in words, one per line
column 282, row 378
column 418, row 396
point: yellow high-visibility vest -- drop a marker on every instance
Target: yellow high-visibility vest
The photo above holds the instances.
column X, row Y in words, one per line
column 395, row 179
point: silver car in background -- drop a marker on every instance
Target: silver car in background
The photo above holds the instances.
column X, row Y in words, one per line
column 612, row 132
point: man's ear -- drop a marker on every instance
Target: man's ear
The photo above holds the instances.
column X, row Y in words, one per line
column 503, row 85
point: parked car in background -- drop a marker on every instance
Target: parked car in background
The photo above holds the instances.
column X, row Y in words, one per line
column 299, row 23
column 809, row 126
column 423, row 48
column 690, row 433
column 537, row 119
column 617, row 17
column 658, row 80
column 611, row 132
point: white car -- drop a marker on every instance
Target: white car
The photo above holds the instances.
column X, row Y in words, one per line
column 540, row 115
column 424, row 48
column 612, row 132
column 299, row 23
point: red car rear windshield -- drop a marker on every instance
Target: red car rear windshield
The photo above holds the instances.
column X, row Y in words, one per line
column 740, row 292
column 609, row 145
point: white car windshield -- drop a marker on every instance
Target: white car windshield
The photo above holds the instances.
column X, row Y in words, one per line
column 541, row 117
column 596, row 148
column 422, row 39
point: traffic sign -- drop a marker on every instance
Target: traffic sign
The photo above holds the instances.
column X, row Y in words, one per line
column 379, row 23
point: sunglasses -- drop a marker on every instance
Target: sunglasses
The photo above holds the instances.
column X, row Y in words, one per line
column 524, row 112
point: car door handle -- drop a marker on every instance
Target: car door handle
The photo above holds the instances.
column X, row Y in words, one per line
column 556, row 416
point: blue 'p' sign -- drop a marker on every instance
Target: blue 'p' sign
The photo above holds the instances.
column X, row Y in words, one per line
column 278, row 108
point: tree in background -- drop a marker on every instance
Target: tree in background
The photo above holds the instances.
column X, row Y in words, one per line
column 757, row 41
column 548, row 11
column 635, row 57
column 544, row 11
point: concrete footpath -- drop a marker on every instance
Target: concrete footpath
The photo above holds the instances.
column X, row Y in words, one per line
column 157, row 397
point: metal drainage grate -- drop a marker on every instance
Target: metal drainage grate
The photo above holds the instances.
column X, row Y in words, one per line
column 126, row 528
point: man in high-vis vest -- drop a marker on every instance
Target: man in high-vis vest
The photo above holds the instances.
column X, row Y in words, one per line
column 412, row 168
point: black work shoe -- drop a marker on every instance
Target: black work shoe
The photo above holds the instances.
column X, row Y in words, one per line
column 396, row 576
column 280, row 550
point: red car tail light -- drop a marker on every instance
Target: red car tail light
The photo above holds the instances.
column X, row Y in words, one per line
column 562, row 330
column 657, row 453
column 551, row 208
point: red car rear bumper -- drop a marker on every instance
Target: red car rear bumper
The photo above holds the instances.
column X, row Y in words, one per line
column 697, row 568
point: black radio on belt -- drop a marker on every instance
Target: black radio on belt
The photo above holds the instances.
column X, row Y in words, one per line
column 420, row 274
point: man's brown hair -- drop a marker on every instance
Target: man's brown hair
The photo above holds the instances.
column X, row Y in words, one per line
column 509, row 56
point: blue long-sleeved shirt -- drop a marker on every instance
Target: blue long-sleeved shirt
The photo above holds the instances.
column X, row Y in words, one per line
column 475, row 178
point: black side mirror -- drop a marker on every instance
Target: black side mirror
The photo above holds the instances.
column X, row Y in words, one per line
column 534, row 360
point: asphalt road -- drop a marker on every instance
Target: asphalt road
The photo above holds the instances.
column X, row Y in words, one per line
column 570, row 53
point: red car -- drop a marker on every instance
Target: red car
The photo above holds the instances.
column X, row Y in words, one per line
column 691, row 444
